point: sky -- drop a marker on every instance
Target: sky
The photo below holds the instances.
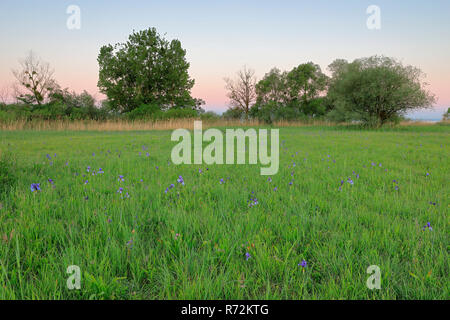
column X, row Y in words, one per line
column 220, row 37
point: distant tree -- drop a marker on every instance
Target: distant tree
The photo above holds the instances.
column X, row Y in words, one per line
column 291, row 95
column 241, row 90
column 304, row 84
column 446, row 116
column 4, row 95
column 233, row 114
column 377, row 89
column 75, row 105
column 147, row 69
column 34, row 80
column 272, row 88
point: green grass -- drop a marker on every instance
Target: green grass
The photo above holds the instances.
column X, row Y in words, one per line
column 338, row 232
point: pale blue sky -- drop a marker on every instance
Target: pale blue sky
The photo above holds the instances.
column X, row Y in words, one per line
column 222, row 36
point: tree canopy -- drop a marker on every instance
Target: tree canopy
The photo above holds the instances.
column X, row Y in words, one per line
column 377, row 89
column 147, row 69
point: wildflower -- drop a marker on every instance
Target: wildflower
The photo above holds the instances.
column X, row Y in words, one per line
column 120, row 190
column 428, row 174
column 252, row 202
column 428, row 226
column 180, row 180
column 269, row 179
column 35, row 187
column 48, row 156
column 200, row 171
column 350, row 181
column 50, row 181
column 275, row 189
column 100, row 170
column 121, row 178
column 290, row 183
column 303, row 264
column 396, row 188
column 86, row 181
column 88, row 169
column 247, row 256
column 130, row 243
column 221, row 181
column 147, row 154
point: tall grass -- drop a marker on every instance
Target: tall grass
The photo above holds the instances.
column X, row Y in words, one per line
column 191, row 241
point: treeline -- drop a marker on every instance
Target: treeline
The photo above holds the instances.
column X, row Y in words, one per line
column 372, row 91
column 147, row 78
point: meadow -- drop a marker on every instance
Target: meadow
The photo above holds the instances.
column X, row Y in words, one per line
column 112, row 203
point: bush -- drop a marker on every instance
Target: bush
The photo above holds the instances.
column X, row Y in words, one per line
column 144, row 112
column 209, row 115
column 154, row 112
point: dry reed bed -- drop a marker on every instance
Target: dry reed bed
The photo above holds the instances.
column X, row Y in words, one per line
column 124, row 125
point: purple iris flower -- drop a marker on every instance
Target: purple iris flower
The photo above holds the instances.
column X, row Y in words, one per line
column 303, row 264
column 247, row 256
column 428, row 226
column 180, row 180
column 35, row 187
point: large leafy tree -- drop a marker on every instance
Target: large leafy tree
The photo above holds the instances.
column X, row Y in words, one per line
column 147, row 69
column 293, row 94
column 305, row 83
column 272, row 88
column 377, row 89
